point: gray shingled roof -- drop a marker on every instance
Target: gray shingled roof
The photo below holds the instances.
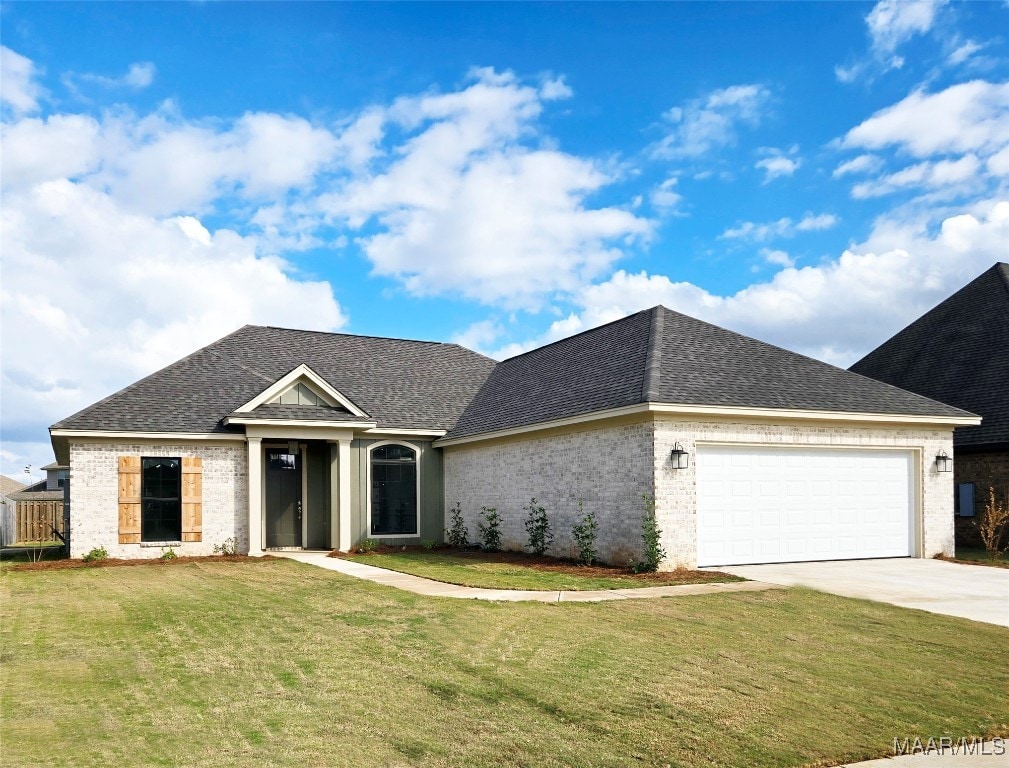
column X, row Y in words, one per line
column 663, row 356
column 957, row 353
column 398, row 383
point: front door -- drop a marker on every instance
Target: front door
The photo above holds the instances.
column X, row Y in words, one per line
column 283, row 498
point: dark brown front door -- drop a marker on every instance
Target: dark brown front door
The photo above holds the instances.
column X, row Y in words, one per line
column 283, row 498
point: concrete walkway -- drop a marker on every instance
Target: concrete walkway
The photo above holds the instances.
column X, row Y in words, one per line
column 986, row 759
column 422, row 586
column 977, row 592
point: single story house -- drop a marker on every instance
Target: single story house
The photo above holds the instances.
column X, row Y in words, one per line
column 280, row 438
column 958, row 353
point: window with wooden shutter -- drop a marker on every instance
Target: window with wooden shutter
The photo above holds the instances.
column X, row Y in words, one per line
column 192, row 498
column 129, row 499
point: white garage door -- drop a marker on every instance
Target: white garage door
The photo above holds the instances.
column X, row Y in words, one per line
column 776, row 505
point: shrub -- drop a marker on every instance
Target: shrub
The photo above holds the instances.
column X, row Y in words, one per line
column 429, row 544
column 168, row 554
column 457, row 534
column 993, row 525
column 584, row 533
column 538, row 528
column 490, row 529
column 229, row 547
column 96, row 555
column 368, row 545
column 653, row 552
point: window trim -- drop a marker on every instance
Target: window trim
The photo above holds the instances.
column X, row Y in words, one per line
column 417, row 452
column 143, row 498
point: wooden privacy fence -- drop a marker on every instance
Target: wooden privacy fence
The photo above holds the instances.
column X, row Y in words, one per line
column 35, row 520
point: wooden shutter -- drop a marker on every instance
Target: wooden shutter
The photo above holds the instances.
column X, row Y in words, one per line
column 192, row 498
column 129, row 499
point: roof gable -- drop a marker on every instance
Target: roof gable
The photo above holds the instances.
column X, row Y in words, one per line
column 308, row 388
column 957, row 353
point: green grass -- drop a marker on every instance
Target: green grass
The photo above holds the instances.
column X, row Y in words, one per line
column 474, row 569
column 980, row 555
column 275, row 663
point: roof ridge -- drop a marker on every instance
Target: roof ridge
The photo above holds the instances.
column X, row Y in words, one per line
column 358, row 335
column 1003, row 269
column 653, row 357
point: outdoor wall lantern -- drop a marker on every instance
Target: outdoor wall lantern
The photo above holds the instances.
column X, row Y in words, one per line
column 943, row 463
column 680, row 458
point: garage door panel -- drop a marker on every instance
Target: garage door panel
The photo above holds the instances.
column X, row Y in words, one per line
column 791, row 504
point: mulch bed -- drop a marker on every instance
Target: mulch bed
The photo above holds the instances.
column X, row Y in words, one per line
column 538, row 563
column 114, row 562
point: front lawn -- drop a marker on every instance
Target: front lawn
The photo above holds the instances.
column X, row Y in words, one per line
column 278, row 663
column 515, row 570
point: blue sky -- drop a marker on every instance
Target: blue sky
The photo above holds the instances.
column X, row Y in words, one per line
column 501, row 175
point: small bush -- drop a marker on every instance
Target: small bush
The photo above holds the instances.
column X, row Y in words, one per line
column 993, row 525
column 457, row 534
column 229, row 547
column 538, row 528
column 368, row 545
column 490, row 529
column 168, row 554
column 429, row 544
column 584, row 533
column 96, row 555
column 653, row 552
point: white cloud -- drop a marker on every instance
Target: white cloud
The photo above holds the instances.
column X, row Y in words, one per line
column 138, row 76
column 930, row 176
column 711, row 122
column 836, row 311
column 111, row 295
column 777, row 257
column 968, row 117
column 19, row 89
column 963, row 51
column 893, row 22
column 665, row 197
column 464, row 206
column 784, row 227
column 777, row 164
column 860, row 164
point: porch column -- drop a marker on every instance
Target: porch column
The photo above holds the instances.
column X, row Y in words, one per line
column 255, row 496
column 343, row 449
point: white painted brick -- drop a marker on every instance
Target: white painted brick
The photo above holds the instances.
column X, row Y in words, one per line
column 94, row 492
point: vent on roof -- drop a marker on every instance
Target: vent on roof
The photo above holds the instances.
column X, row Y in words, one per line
column 301, row 394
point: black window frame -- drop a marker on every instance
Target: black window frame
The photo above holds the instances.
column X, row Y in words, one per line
column 160, row 502
column 379, row 523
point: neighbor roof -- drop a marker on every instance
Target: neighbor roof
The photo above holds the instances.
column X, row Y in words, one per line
column 398, row 383
column 662, row 356
column 957, row 353
column 9, row 485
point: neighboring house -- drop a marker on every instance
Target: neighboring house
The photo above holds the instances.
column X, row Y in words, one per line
column 283, row 438
column 8, row 485
column 39, row 507
column 958, row 353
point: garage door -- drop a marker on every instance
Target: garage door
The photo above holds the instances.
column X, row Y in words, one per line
column 776, row 505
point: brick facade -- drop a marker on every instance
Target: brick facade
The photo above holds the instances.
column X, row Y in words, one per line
column 609, row 468
column 989, row 469
column 94, row 503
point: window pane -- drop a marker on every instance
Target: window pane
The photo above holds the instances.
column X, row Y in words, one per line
column 282, row 460
column 393, row 491
column 161, row 510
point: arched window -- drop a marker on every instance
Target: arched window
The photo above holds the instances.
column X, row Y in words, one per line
column 393, row 490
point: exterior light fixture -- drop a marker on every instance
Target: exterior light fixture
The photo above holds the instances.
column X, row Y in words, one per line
column 943, row 463
column 679, row 457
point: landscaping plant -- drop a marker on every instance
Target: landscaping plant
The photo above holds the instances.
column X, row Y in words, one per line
column 993, row 524
column 229, row 547
column 457, row 534
column 490, row 529
column 96, row 555
column 538, row 528
column 584, row 533
column 653, row 552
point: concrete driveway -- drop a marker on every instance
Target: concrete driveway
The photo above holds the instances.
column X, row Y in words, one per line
column 974, row 592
